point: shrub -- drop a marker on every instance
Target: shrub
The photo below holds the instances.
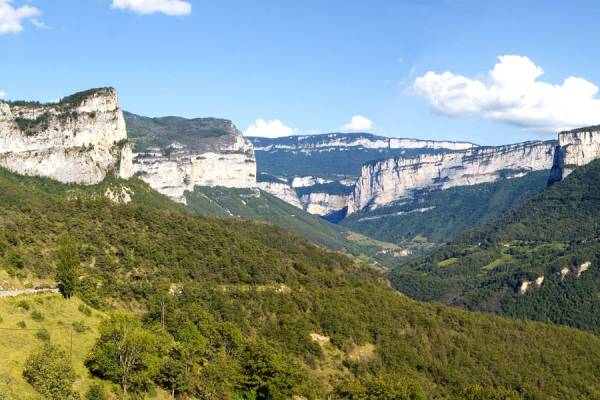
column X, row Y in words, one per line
column 50, row 373
column 23, row 304
column 22, row 324
column 85, row 310
column 96, row 392
column 79, row 326
column 43, row 335
column 37, row 316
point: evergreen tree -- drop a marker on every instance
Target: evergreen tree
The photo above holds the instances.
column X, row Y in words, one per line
column 68, row 263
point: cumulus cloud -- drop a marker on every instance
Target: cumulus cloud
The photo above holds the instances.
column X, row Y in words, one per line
column 169, row 7
column 512, row 93
column 2, row 94
column 11, row 18
column 358, row 124
column 270, row 129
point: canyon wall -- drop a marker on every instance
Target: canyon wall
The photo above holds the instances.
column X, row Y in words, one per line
column 391, row 180
column 79, row 139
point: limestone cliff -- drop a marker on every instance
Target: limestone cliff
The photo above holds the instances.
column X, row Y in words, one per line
column 575, row 148
column 326, row 142
column 174, row 155
column 323, row 204
column 280, row 189
column 391, row 180
column 79, row 139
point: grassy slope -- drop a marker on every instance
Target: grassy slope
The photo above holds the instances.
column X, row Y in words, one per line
column 16, row 342
column 556, row 229
column 134, row 253
column 452, row 211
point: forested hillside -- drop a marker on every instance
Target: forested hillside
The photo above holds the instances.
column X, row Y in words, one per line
column 257, row 205
column 438, row 216
column 225, row 309
column 552, row 238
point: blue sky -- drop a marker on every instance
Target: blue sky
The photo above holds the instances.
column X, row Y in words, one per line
column 313, row 65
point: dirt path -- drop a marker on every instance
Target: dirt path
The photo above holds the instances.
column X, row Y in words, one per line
column 13, row 293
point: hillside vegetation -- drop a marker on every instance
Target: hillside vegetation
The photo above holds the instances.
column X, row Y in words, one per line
column 163, row 131
column 228, row 309
column 554, row 235
column 438, row 216
column 257, row 205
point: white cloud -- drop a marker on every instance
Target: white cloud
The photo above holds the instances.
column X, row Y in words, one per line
column 11, row 18
column 358, row 124
column 512, row 93
column 39, row 24
column 271, row 129
column 2, row 94
column 169, row 7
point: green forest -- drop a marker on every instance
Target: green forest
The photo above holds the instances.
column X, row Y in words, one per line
column 207, row 308
column 554, row 235
column 437, row 216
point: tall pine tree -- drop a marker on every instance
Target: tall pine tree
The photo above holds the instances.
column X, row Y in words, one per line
column 68, row 264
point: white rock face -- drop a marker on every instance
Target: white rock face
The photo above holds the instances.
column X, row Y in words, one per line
column 121, row 195
column 324, row 203
column 539, row 281
column 524, row 287
column 283, row 191
column 582, row 268
column 576, row 148
column 388, row 181
column 429, row 144
column 78, row 140
column 226, row 161
column 305, row 181
column 339, row 141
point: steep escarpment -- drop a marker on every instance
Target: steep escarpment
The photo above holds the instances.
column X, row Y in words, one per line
column 174, row 154
column 315, row 166
column 279, row 188
column 575, row 148
column 79, row 139
column 337, row 156
column 391, row 180
column 325, row 142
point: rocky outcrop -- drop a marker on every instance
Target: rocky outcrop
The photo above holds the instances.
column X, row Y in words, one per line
column 280, row 189
column 575, row 148
column 192, row 157
column 391, row 180
column 323, row 204
column 582, row 268
column 79, row 139
column 306, row 181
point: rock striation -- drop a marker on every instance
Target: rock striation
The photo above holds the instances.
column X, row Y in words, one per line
column 80, row 139
column 391, row 180
column 174, row 155
column 326, row 142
